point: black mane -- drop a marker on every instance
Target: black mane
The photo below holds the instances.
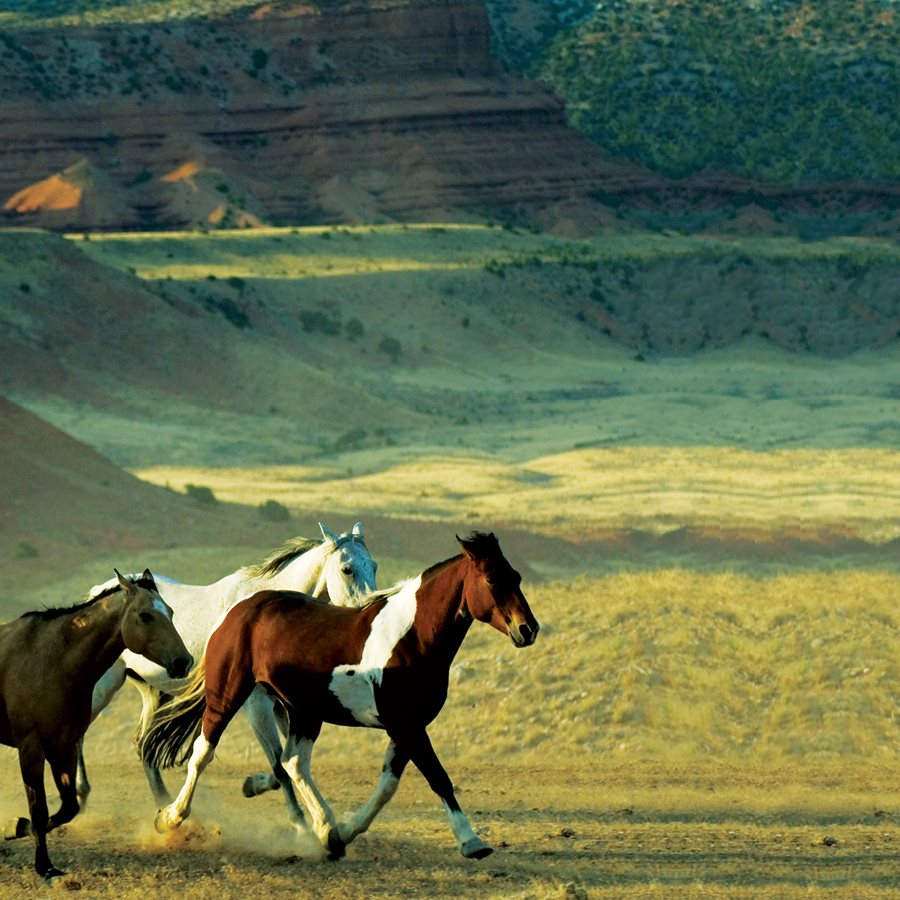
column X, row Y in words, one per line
column 54, row 612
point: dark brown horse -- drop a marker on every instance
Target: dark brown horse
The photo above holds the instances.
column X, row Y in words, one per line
column 49, row 663
column 385, row 665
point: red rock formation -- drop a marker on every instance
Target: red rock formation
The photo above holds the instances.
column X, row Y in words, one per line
column 373, row 112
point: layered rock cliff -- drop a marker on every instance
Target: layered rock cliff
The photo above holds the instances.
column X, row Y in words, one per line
column 282, row 113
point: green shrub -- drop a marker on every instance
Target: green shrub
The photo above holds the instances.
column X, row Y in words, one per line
column 273, row 511
column 390, row 347
column 201, row 494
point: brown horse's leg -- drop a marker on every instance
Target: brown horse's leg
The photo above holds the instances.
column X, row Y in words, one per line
column 31, row 763
column 64, row 766
column 416, row 743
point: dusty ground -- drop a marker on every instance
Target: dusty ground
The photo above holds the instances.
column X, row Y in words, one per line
column 572, row 832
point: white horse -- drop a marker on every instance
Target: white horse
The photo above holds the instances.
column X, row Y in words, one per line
column 339, row 568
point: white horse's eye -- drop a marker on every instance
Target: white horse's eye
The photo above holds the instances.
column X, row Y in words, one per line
column 347, row 570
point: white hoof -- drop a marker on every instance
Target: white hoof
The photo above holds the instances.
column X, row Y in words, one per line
column 166, row 821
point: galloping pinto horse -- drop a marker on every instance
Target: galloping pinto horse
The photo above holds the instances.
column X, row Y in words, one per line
column 49, row 664
column 385, row 665
column 338, row 567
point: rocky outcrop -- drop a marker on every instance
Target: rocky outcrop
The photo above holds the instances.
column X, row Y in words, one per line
column 287, row 114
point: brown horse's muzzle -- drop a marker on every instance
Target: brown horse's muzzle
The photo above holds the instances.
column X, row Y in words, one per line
column 523, row 634
column 179, row 666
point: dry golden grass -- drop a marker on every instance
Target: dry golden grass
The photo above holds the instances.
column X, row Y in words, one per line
column 582, row 492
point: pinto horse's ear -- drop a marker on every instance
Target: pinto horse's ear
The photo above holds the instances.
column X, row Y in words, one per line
column 357, row 530
column 470, row 549
column 328, row 534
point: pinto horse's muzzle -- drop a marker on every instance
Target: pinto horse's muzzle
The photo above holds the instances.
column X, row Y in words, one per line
column 523, row 634
column 180, row 666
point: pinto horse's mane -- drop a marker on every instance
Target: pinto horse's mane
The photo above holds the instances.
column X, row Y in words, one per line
column 54, row 612
column 478, row 541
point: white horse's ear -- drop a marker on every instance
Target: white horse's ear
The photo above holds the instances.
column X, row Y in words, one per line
column 327, row 534
column 358, row 529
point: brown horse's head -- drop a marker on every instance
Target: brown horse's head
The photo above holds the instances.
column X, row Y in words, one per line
column 147, row 627
column 492, row 590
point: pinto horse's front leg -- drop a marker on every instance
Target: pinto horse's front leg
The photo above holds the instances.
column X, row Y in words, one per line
column 354, row 824
column 417, row 745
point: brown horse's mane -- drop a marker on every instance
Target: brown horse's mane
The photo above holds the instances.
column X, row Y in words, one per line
column 437, row 567
column 281, row 556
column 54, row 612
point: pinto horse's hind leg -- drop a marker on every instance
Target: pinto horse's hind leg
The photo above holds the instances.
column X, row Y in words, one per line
column 170, row 817
column 296, row 761
column 354, row 824
column 417, row 745
column 260, row 709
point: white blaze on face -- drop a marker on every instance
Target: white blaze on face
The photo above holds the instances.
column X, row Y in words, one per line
column 354, row 684
column 161, row 607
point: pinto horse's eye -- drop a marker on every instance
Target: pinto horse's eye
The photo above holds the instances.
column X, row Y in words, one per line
column 347, row 570
column 146, row 618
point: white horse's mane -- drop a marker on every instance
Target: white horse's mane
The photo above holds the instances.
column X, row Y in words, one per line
column 281, row 556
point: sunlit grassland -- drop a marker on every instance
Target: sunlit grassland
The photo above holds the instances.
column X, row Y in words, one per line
column 583, row 493
column 317, row 251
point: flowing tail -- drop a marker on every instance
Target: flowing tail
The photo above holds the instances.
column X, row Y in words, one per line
column 171, row 732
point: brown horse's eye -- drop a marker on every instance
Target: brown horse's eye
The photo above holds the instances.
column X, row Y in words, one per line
column 146, row 618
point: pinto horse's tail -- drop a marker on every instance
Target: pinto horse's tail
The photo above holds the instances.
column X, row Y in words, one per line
column 167, row 740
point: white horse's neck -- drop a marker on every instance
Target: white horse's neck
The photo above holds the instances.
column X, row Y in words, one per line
column 306, row 573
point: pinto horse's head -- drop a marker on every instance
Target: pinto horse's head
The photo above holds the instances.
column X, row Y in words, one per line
column 147, row 627
column 492, row 590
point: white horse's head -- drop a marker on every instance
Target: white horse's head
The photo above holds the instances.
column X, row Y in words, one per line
column 348, row 571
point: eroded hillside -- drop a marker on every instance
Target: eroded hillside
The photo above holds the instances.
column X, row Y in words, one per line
column 280, row 113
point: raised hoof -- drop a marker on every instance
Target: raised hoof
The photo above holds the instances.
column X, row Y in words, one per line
column 250, row 788
column 18, row 828
column 336, row 847
column 475, row 849
column 162, row 823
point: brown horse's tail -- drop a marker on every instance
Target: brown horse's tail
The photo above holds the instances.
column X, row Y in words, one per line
column 167, row 740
